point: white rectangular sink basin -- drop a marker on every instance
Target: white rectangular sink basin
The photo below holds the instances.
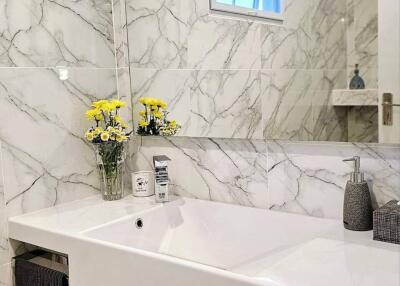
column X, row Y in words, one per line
column 197, row 243
column 223, row 236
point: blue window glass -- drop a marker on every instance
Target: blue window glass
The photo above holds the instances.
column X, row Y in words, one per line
column 265, row 5
column 229, row 2
column 272, row 5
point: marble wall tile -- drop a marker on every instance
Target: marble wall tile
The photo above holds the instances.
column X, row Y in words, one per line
column 312, row 37
column 362, row 39
column 287, row 103
column 363, row 124
column 328, row 28
column 226, row 104
column 4, row 254
column 284, row 48
column 230, row 171
column 45, row 154
column 304, row 178
column 6, row 275
column 207, row 103
column 330, row 123
column 310, row 178
column 221, row 43
column 120, row 33
column 297, row 105
column 157, row 33
column 173, row 86
column 182, row 34
column 44, row 33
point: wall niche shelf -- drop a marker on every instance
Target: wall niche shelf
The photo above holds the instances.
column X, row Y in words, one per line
column 355, row 97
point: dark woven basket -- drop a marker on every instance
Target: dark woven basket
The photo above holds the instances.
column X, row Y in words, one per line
column 387, row 223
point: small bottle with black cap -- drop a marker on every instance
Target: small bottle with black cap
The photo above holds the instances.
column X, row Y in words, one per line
column 357, row 208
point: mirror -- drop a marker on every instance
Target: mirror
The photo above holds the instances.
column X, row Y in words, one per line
column 228, row 76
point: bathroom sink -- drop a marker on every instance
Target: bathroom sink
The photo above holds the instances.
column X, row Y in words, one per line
column 223, row 236
column 193, row 242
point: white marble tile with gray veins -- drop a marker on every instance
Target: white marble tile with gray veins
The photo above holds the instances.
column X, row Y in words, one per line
column 310, row 178
column 313, row 36
column 120, row 33
column 363, row 124
column 172, row 86
column 48, row 33
column 4, row 253
column 362, row 39
column 47, row 157
column 182, row 34
column 6, row 275
column 229, row 171
column 226, row 104
column 287, row 104
column 222, row 43
column 157, row 33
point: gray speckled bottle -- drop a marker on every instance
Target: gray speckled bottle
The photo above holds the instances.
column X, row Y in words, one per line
column 357, row 207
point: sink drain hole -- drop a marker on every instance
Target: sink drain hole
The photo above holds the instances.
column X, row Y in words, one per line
column 139, row 223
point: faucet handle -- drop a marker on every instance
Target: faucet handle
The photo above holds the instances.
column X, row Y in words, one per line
column 356, row 160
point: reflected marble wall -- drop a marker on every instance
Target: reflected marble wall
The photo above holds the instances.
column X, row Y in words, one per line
column 305, row 178
column 241, row 79
column 362, row 39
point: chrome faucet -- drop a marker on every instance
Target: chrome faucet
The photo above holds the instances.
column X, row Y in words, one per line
column 161, row 178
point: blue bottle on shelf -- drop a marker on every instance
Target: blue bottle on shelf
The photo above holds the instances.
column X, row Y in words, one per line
column 357, row 82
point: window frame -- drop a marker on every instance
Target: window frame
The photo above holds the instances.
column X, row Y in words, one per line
column 248, row 12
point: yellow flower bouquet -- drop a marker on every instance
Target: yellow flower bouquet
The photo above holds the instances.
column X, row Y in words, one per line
column 108, row 137
column 154, row 118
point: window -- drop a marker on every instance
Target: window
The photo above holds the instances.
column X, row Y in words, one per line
column 270, row 9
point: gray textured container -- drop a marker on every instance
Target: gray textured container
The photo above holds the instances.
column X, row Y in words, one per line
column 387, row 223
column 357, row 208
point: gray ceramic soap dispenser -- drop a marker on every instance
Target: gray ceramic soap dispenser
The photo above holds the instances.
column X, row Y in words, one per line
column 357, row 208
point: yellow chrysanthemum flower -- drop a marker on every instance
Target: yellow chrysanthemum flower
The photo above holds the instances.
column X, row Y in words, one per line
column 96, row 132
column 107, row 108
column 117, row 103
column 124, row 125
column 143, row 123
column 117, row 119
column 119, row 138
column 110, row 129
column 161, row 103
column 143, row 100
column 94, row 114
column 105, row 136
column 142, row 113
column 172, row 124
column 89, row 136
column 100, row 103
column 157, row 115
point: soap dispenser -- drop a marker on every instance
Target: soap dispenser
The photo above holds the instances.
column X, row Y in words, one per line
column 357, row 208
column 357, row 82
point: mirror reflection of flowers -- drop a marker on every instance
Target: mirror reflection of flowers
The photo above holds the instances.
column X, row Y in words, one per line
column 153, row 119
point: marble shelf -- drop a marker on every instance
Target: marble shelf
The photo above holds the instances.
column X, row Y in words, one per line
column 348, row 97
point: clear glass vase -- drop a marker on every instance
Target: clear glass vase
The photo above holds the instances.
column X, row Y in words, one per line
column 110, row 158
